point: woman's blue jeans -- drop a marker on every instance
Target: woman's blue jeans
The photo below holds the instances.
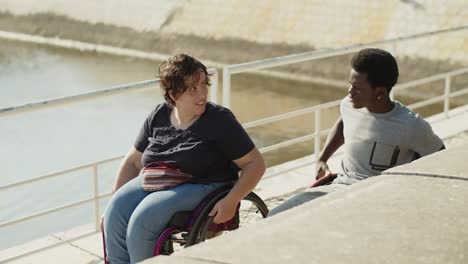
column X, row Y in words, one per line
column 135, row 218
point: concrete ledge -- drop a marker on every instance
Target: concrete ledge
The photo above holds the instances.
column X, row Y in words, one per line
column 392, row 218
column 449, row 163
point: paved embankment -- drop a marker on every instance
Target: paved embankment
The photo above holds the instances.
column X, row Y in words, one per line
column 415, row 213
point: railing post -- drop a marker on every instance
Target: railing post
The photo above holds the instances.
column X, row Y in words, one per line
column 317, row 134
column 447, row 96
column 96, row 197
column 226, row 87
column 214, row 87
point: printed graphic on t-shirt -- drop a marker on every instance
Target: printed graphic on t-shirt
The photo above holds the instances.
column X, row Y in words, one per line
column 383, row 156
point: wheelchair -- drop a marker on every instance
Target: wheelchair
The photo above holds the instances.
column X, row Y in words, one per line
column 188, row 228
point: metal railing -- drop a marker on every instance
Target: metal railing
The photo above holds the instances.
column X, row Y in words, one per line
column 317, row 110
column 318, row 131
column 96, row 196
column 101, row 93
column 94, row 165
column 227, row 72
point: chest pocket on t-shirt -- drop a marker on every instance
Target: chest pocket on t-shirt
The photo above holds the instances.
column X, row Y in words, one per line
column 383, row 156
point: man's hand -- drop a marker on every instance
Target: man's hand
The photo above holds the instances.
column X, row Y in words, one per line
column 101, row 224
column 224, row 210
column 321, row 170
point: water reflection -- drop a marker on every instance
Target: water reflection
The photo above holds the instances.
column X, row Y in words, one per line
column 30, row 72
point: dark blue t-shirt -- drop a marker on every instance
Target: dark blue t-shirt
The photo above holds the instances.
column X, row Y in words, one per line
column 206, row 149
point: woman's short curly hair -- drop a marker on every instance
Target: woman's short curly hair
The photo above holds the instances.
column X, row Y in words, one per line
column 174, row 72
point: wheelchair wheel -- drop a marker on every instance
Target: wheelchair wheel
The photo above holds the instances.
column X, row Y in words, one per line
column 172, row 240
column 252, row 209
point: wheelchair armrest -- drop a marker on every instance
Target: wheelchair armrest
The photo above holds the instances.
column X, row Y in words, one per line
column 324, row 180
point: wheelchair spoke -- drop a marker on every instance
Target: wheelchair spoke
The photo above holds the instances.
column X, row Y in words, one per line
column 252, row 209
column 249, row 213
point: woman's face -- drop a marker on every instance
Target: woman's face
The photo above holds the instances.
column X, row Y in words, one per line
column 194, row 99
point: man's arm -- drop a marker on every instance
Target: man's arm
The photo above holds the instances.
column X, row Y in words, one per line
column 422, row 139
column 417, row 155
column 335, row 139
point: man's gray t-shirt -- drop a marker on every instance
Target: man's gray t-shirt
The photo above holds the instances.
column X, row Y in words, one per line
column 376, row 142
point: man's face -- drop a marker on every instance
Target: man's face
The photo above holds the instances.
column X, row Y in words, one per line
column 360, row 92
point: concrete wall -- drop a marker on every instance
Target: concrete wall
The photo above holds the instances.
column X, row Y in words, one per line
column 415, row 213
column 138, row 14
column 334, row 24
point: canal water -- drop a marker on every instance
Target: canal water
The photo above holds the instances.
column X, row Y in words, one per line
column 41, row 142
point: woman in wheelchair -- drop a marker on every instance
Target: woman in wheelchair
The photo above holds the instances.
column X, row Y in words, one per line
column 186, row 149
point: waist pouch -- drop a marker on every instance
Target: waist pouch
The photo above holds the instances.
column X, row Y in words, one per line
column 159, row 176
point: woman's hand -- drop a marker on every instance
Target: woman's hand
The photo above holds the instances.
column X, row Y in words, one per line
column 129, row 168
column 224, row 210
column 252, row 168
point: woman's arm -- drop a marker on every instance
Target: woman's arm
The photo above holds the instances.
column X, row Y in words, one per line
column 129, row 168
column 252, row 168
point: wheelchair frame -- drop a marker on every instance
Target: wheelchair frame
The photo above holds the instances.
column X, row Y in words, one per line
column 194, row 225
column 199, row 223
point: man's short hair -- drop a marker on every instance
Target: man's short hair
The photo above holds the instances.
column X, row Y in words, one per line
column 379, row 65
